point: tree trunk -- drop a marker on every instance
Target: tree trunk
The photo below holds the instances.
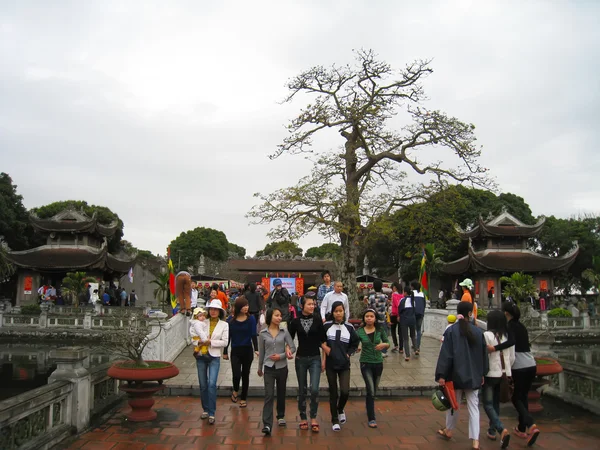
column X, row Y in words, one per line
column 349, row 252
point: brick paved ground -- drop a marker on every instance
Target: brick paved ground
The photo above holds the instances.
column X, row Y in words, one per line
column 408, row 423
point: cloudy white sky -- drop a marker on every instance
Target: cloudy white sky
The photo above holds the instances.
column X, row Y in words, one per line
column 166, row 111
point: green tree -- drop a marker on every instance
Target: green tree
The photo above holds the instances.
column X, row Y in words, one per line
column 162, row 292
column 592, row 275
column 321, row 252
column 285, row 247
column 187, row 248
column 14, row 220
column 236, row 250
column 365, row 177
column 557, row 238
column 518, row 286
column 104, row 216
column 75, row 285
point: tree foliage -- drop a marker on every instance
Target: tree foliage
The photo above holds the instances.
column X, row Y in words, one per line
column 236, row 250
column 280, row 247
column 518, row 286
column 75, row 284
column 187, row 248
column 14, row 220
column 104, row 216
column 396, row 240
column 367, row 176
column 323, row 251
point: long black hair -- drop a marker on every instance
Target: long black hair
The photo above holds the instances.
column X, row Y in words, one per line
column 512, row 309
column 464, row 308
column 496, row 323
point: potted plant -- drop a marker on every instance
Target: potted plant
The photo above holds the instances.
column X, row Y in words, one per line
column 142, row 378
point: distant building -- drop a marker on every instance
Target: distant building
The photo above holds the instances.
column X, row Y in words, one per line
column 498, row 247
column 74, row 242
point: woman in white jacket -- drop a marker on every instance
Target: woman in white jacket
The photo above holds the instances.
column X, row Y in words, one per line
column 208, row 359
column 496, row 333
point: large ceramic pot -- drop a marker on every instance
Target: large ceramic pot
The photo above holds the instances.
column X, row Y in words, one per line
column 141, row 383
column 545, row 366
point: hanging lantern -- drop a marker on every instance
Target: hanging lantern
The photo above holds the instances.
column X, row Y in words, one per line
column 362, row 285
column 206, row 285
column 370, row 285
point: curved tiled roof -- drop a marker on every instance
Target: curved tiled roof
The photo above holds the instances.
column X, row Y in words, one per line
column 514, row 260
column 512, row 230
column 83, row 224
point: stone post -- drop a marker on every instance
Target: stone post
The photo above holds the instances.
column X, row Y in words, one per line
column 16, row 309
column 87, row 320
column 69, row 362
column 44, row 315
column 1, row 314
column 544, row 320
column 451, row 306
column 586, row 320
column 147, row 308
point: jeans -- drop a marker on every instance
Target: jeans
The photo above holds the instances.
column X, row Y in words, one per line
column 371, row 373
column 241, row 361
column 406, row 328
column 523, row 379
column 208, row 372
column 419, row 330
column 305, row 364
column 337, row 405
column 271, row 376
column 491, row 404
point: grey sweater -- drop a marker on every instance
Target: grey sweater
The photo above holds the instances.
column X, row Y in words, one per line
column 269, row 345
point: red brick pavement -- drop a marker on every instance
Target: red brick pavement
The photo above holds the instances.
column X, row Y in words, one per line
column 409, row 423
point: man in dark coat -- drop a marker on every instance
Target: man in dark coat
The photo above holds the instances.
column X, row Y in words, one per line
column 280, row 298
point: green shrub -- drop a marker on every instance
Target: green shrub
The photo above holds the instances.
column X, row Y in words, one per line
column 482, row 314
column 559, row 312
column 32, row 310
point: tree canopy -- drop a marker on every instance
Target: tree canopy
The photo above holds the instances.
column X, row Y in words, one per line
column 284, row 247
column 14, row 220
column 104, row 216
column 236, row 250
column 368, row 174
column 323, row 251
column 187, row 248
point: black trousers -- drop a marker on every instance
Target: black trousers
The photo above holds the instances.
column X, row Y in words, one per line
column 273, row 376
column 337, row 403
column 523, row 379
column 396, row 332
column 241, row 361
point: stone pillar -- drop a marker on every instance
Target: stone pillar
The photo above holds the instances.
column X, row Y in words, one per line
column 16, row 309
column 147, row 308
column 69, row 362
column 44, row 315
column 451, row 306
column 586, row 320
column 1, row 314
column 544, row 319
column 87, row 320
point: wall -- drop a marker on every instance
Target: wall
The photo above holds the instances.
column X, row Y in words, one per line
column 170, row 338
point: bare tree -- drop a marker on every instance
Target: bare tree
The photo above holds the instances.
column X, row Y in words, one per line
column 367, row 176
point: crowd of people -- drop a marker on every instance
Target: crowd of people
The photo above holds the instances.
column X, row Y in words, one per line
column 320, row 339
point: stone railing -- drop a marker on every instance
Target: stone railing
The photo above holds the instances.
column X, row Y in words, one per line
column 19, row 320
column 43, row 417
column 577, row 384
column 565, row 322
column 168, row 339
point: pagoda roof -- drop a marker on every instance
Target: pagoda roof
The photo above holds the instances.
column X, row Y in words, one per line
column 509, row 260
column 60, row 258
column 281, row 265
column 71, row 221
column 504, row 225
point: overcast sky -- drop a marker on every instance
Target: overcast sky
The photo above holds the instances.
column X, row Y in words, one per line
column 166, row 111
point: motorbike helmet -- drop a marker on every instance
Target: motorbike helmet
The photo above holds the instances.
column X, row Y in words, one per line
column 440, row 401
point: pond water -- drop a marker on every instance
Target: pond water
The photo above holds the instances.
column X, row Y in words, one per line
column 27, row 365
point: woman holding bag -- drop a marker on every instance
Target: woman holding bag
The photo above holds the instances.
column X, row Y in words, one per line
column 499, row 367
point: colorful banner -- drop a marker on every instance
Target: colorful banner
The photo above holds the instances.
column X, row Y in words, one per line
column 28, row 285
column 477, row 287
column 490, row 285
column 424, row 278
column 172, row 281
column 300, row 286
column 543, row 285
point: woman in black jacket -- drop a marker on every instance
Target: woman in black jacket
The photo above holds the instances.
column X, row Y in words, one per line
column 342, row 343
column 463, row 360
column 255, row 301
column 523, row 371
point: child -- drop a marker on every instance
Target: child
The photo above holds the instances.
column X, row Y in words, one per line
column 451, row 320
column 198, row 328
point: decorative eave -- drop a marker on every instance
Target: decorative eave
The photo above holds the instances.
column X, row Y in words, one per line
column 55, row 224
column 59, row 258
column 514, row 260
column 504, row 225
column 119, row 264
column 107, row 230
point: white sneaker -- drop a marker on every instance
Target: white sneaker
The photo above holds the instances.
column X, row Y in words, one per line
column 342, row 417
column 336, row 427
